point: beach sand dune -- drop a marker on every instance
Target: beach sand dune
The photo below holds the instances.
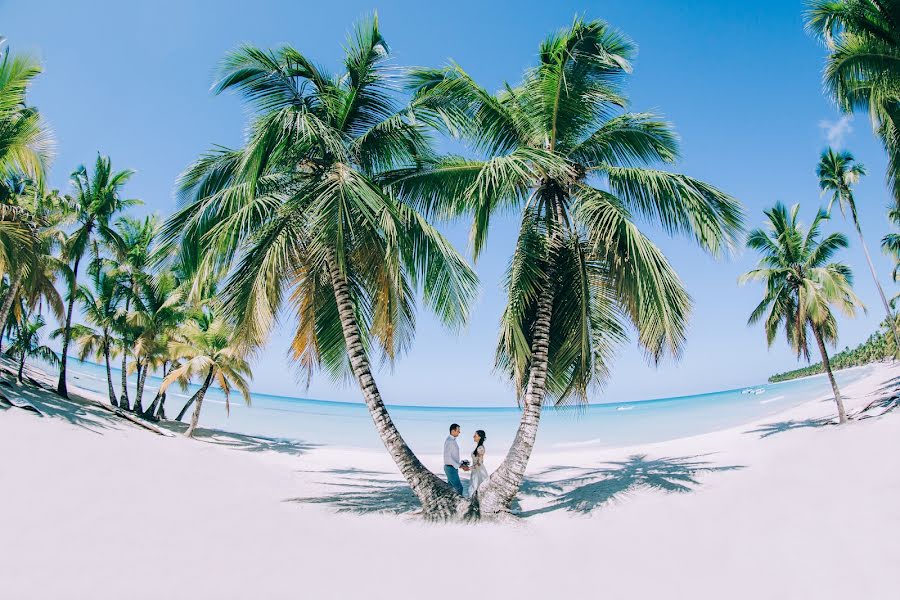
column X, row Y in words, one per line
column 95, row 507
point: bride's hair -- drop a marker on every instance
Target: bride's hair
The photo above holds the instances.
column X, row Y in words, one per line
column 481, row 437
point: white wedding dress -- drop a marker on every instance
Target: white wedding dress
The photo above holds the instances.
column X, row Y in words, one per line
column 479, row 472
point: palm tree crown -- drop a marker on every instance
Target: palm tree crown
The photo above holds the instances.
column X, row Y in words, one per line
column 862, row 70
column 801, row 283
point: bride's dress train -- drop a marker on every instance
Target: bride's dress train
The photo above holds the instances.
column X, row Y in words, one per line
column 479, row 472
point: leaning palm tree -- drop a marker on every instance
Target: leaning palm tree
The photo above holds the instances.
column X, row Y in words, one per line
column 838, row 172
column 862, row 70
column 97, row 199
column 211, row 355
column 560, row 148
column 27, row 343
column 300, row 215
column 801, row 284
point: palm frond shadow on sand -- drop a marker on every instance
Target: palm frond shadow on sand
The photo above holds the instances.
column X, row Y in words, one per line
column 888, row 399
column 574, row 489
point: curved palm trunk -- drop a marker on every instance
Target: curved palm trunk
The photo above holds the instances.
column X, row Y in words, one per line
column 187, row 405
column 198, row 397
column 139, row 393
column 438, row 499
column 21, row 365
column 156, row 407
column 503, row 485
column 10, row 298
column 884, row 301
column 109, row 381
column 67, row 333
column 842, row 416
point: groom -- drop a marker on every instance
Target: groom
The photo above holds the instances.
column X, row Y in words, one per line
column 451, row 460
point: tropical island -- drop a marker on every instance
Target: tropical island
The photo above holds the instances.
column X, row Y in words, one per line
column 133, row 424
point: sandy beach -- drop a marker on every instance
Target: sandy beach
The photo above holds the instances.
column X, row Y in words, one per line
column 95, row 507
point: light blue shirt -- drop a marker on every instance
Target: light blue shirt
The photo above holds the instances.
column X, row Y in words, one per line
column 451, row 452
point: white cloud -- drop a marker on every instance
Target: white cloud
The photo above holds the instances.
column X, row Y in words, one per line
column 835, row 132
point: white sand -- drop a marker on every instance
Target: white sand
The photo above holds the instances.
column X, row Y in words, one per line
column 95, row 508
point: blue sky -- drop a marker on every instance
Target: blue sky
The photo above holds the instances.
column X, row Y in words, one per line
column 740, row 81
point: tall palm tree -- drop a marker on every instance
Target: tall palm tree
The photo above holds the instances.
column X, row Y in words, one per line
column 97, row 199
column 302, row 214
column 560, row 148
column 862, row 70
column 211, row 355
column 801, row 284
column 27, row 343
column 100, row 306
column 838, row 172
column 132, row 251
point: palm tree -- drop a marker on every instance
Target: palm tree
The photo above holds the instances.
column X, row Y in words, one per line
column 862, row 70
column 838, row 172
column 35, row 266
column 801, row 284
column 27, row 343
column 561, row 150
column 19, row 236
column 210, row 354
column 158, row 310
column 302, row 215
column 97, row 199
column 132, row 259
column 99, row 305
column 26, row 144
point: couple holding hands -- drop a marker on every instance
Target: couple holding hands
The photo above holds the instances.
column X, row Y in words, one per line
column 452, row 464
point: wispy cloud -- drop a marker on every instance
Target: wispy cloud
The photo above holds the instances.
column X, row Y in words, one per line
column 835, row 132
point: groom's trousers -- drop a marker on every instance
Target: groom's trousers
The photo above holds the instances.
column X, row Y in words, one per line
column 452, row 474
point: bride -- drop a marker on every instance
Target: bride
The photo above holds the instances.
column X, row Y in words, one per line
column 479, row 472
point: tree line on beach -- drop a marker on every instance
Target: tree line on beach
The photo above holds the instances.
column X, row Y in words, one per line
column 328, row 213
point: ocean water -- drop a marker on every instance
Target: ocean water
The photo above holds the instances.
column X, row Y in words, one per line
column 347, row 424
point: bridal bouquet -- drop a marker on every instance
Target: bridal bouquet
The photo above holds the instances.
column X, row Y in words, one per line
column 464, row 464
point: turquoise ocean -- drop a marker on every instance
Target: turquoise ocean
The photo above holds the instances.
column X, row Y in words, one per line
column 613, row 424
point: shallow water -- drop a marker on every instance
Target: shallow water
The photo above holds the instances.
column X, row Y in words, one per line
column 424, row 428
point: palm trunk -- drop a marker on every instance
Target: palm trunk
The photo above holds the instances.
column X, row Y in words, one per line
column 503, row 485
column 67, row 333
column 501, row 488
column 842, row 416
column 139, row 393
column 109, row 381
column 124, row 403
column 21, row 365
column 156, row 407
column 10, row 298
column 884, row 302
column 187, row 405
column 198, row 397
column 438, row 499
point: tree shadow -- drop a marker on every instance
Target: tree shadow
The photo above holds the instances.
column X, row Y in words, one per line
column 586, row 489
column 590, row 488
column 770, row 429
column 360, row 491
column 247, row 443
column 72, row 410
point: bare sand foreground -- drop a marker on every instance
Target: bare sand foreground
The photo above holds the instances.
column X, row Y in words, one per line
column 94, row 507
